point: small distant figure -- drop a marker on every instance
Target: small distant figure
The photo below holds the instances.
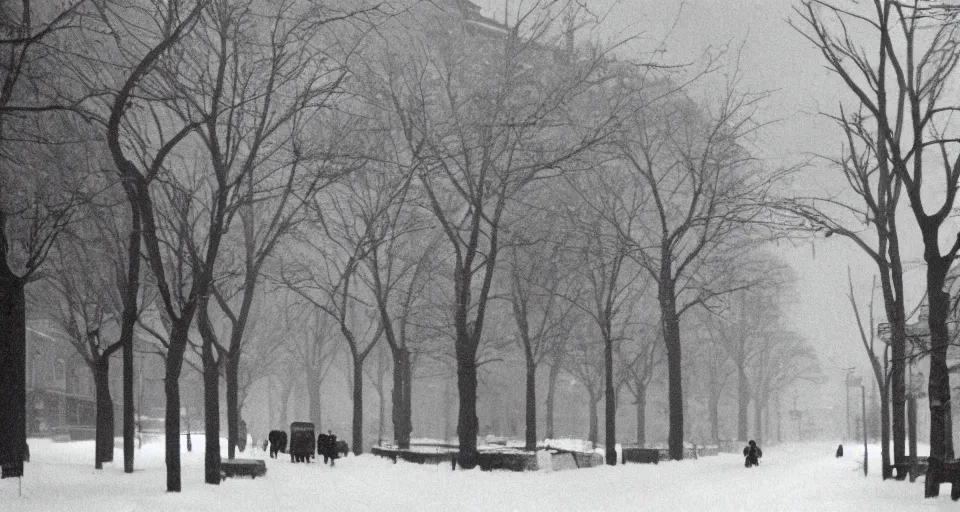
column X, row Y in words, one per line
column 328, row 447
column 839, row 451
column 752, row 452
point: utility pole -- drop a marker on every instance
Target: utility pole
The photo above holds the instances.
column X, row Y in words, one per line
column 846, row 385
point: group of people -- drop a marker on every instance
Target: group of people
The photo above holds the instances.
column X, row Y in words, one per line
column 327, row 447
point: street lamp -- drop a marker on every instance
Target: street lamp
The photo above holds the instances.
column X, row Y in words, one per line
column 846, row 385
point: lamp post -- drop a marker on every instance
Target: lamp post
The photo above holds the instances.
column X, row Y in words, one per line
column 846, row 385
column 863, row 401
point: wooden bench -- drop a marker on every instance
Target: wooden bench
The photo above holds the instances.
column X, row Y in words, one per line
column 940, row 471
column 242, row 467
column 640, row 455
column 914, row 469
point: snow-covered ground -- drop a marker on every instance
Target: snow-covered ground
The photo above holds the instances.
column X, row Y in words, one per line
column 791, row 477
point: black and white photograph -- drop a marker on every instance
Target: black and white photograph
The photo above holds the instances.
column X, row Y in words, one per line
column 479, row 255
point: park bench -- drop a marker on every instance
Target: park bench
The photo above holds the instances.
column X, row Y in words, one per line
column 941, row 471
column 242, row 467
column 914, row 469
column 640, row 455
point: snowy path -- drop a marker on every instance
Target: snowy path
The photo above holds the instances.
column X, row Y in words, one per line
column 792, row 477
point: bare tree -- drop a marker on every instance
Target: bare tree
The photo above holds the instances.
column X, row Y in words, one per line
column 484, row 115
column 38, row 196
column 904, row 112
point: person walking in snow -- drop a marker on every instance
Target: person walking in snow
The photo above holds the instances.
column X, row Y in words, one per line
column 752, row 452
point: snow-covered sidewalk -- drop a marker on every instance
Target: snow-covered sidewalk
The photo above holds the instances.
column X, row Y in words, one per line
column 791, row 477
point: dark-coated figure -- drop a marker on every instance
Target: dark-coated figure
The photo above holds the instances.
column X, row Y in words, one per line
column 342, row 448
column 278, row 442
column 332, row 447
column 752, row 452
column 322, row 447
column 839, row 451
column 328, row 447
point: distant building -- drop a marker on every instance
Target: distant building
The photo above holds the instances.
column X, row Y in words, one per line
column 61, row 397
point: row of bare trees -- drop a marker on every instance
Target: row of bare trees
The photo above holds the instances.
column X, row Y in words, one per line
column 400, row 169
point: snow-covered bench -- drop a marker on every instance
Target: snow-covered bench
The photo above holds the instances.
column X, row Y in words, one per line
column 941, row 471
column 914, row 469
column 242, row 467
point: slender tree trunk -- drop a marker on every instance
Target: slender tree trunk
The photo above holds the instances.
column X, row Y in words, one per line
column 594, row 434
column 285, row 391
column 104, row 433
column 531, row 405
column 551, row 399
column 896, row 316
column 13, row 377
column 610, row 404
column 758, row 421
column 402, row 412
column 447, row 411
column 743, row 403
column 232, row 376
column 357, row 406
column 941, row 437
column 641, row 415
column 467, row 421
column 313, row 395
column 714, row 412
column 887, row 471
column 211, row 413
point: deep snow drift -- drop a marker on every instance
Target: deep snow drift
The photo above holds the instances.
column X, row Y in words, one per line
column 790, row 477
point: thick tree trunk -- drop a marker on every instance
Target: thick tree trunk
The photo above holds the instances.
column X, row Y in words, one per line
column 671, row 335
column 551, row 399
column 530, row 442
column 104, row 432
column 941, row 436
column 171, row 388
column 467, row 421
column 743, row 403
column 641, row 415
column 670, row 323
column 232, row 376
column 13, row 378
column 130, row 313
column 402, row 412
column 892, row 288
column 211, row 414
column 357, row 407
column 610, row 405
column 593, row 435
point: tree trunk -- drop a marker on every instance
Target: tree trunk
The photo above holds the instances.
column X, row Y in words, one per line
column 531, row 431
column 129, row 321
column 104, row 433
column 13, row 378
column 232, row 376
column 551, row 399
column 610, row 405
column 743, row 403
column 402, row 412
column 467, row 421
column 593, row 434
column 714, row 412
column 447, row 410
column 671, row 335
column 758, row 421
column 211, row 414
column 887, row 471
column 941, row 437
column 896, row 316
column 285, row 391
column 313, row 395
column 171, row 388
column 641, row 415
column 357, row 407
column 670, row 322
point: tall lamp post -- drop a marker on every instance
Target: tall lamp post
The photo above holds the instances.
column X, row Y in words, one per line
column 863, row 401
column 846, row 385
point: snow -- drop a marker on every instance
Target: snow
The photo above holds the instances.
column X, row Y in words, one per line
column 796, row 477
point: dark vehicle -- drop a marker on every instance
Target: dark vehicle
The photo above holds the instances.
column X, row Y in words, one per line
column 302, row 441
